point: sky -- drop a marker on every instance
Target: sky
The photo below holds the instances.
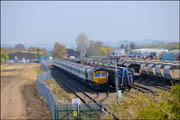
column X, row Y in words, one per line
column 42, row 23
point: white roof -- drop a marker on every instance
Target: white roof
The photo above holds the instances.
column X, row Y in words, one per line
column 150, row 50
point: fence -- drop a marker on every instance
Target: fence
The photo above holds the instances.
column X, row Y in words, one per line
column 64, row 111
column 44, row 91
column 75, row 111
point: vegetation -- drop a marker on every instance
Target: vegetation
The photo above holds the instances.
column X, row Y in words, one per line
column 60, row 94
column 59, row 51
column 164, row 106
column 91, row 47
column 169, row 46
column 40, row 52
column 4, row 57
column 82, row 43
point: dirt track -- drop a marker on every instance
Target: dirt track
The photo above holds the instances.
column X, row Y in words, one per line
column 14, row 80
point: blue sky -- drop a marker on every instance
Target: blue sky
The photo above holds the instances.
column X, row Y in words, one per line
column 43, row 23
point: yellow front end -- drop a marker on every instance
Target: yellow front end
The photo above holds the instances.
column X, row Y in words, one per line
column 100, row 77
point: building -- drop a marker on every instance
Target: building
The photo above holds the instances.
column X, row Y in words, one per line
column 171, row 55
column 146, row 52
column 119, row 51
column 22, row 56
column 72, row 53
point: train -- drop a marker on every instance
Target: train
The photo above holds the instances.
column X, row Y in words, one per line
column 98, row 77
column 95, row 77
column 161, row 70
column 125, row 75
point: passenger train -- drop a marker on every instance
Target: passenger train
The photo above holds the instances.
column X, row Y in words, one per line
column 95, row 77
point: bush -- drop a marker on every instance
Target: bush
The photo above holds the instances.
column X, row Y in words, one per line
column 166, row 107
column 4, row 57
column 143, row 106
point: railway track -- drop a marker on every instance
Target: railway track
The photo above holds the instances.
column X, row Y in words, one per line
column 83, row 96
column 155, row 85
column 144, row 89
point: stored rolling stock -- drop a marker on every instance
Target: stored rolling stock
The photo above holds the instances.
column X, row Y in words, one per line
column 125, row 77
column 172, row 72
column 151, row 69
column 95, row 77
column 159, row 71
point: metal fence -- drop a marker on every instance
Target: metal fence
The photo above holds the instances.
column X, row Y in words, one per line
column 75, row 111
column 44, row 91
column 64, row 111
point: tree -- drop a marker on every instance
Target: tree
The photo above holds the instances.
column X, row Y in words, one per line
column 132, row 45
column 33, row 49
column 59, row 51
column 96, row 48
column 4, row 57
column 93, row 49
column 103, row 50
column 19, row 46
column 38, row 54
column 82, row 43
column 44, row 52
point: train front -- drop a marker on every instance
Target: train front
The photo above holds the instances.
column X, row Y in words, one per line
column 100, row 79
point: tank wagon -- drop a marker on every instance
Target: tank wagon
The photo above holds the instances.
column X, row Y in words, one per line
column 95, row 77
column 172, row 72
column 144, row 69
column 159, row 69
column 151, row 69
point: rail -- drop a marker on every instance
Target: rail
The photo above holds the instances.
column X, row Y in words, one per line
column 71, row 87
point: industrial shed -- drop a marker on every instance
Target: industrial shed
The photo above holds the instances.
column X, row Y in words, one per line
column 20, row 56
column 71, row 52
column 171, row 55
column 147, row 52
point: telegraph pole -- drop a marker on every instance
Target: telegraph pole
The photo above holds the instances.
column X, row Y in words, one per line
column 116, row 82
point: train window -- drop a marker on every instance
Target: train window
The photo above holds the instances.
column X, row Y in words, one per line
column 97, row 74
column 104, row 74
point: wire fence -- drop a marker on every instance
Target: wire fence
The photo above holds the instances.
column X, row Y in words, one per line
column 64, row 111
column 44, row 91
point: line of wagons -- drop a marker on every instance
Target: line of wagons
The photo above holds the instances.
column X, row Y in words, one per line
column 97, row 77
column 159, row 70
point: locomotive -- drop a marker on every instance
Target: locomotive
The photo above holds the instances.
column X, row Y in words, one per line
column 95, row 77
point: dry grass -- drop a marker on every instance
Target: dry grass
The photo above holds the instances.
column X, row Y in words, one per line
column 133, row 103
column 60, row 94
column 22, row 71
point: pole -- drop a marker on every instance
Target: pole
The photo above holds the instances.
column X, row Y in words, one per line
column 116, row 83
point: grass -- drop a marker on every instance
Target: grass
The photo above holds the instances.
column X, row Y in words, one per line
column 39, row 70
column 146, row 106
column 60, row 94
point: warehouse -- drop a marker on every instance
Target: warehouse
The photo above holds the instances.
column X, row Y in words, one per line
column 146, row 52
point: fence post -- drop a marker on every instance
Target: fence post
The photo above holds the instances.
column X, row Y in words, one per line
column 55, row 111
